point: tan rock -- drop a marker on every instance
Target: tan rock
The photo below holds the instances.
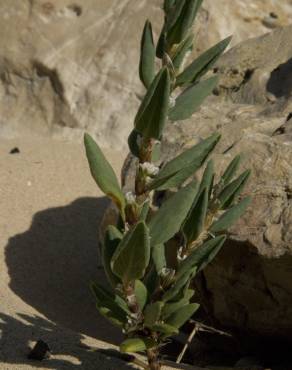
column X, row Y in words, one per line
column 68, row 67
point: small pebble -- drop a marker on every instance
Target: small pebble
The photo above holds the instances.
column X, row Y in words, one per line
column 14, row 151
column 40, row 351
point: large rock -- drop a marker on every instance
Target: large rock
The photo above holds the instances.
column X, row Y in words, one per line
column 248, row 287
column 69, row 66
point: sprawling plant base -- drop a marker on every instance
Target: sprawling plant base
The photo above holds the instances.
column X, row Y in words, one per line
column 151, row 256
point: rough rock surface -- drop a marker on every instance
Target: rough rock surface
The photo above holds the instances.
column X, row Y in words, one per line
column 68, row 66
column 248, row 287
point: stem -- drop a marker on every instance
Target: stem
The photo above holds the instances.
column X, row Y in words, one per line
column 188, row 342
column 152, row 355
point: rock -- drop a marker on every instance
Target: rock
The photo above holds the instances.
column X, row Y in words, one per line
column 248, row 287
column 73, row 66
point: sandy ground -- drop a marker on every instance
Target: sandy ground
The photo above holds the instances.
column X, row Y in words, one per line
column 50, row 209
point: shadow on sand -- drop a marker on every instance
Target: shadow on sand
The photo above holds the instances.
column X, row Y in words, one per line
column 50, row 267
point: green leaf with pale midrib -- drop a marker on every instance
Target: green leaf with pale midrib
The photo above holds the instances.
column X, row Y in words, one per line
column 152, row 114
column 203, row 63
column 181, row 316
column 147, row 56
column 102, row 172
column 176, row 171
column 230, row 216
column 132, row 256
column 190, row 100
column 163, row 226
column 195, row 221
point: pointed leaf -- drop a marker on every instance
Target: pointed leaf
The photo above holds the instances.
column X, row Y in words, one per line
column 133, row 345
column 144, row 211
column 230, row 216
column 112, row 307
column 152, row 313
column 102, row 172
column 147, row 57
column 141, row 294
column 232, row 190
column 110, row 315
column 152, row 114
column 180, row 287
column 181, row 316
column 191, row 99
column 231, row 170
column 132, row 256
column 195, row 222
column 158, row 256
column 176, row 171
column 208, row 177
column 163, row 226
column 201, row 256
column 183, row 24
column 170, row 308
column 112, row 239
column 203, row 63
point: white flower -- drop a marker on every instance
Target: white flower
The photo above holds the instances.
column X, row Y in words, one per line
column 130, row 197
column 149, row 169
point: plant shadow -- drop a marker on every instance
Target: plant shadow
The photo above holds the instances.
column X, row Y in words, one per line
column 51, row 264
column 67, row 349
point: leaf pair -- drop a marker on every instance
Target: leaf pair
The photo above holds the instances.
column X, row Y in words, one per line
column 179, row 169
column 202, row 64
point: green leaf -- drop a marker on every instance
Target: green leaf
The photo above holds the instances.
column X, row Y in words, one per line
column 181, row 51
column 201, row 256
column 132, row 256
column 184, row 21
column 163, row 226
column 109, row 315
column 133, row 345
column 195, row 222
column 208, row 177
column 141, row 294
column 111, row 241
column 170, row 308
column 232, row 190
column 152, row 114
column 158, row 256
column 178, row 289
column 165, row 329
column 191, row 99
column 176, row 171
column 181, row 316
column 152, row 313
column 202, row 64
column 230, row 216
column 144, row 211
column 147, row 56
column 231, row 170
column 161, row 44
column 103, row 173
column 110, row 306
column 133, row 143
